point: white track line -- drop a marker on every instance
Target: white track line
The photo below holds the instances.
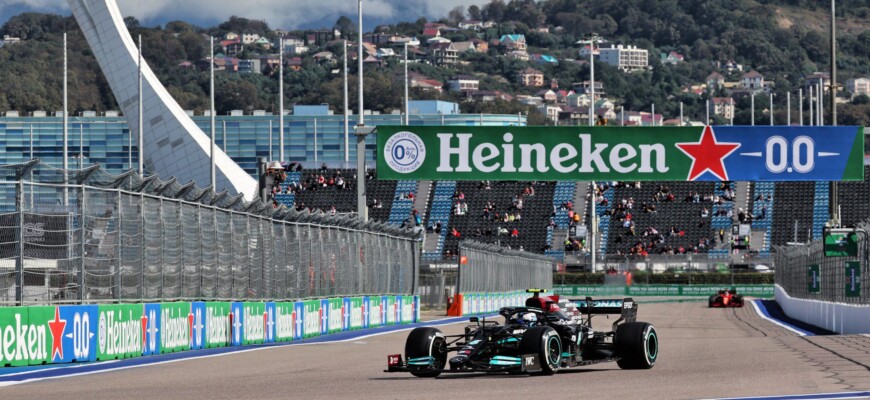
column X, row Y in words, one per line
column 769, row 319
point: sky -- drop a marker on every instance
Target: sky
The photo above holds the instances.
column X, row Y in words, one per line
column 285, row 14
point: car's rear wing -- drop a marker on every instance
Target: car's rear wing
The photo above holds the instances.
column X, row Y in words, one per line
column 626, row 308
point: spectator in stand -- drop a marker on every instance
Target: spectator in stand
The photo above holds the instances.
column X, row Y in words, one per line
column 705, row 213
column 515, row 233
column 455, row 233
column 438, row 227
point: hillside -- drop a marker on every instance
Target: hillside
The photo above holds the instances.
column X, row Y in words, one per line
column 785, row 40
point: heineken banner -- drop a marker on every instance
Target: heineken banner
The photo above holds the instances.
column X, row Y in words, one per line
column 853, row 278
column 814, row 279
column 40, row 335
column 710, row 153
column 660, row 290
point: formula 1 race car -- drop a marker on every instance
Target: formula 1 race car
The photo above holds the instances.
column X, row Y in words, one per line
column 544, row 336
column 725, row 298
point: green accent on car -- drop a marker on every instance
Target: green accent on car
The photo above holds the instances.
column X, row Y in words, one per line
column 505, row 360
column 557, row 353
column 421, row 361
column 507, row 340
column 652, row 347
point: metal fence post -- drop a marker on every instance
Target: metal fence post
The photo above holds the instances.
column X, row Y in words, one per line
column 120, row 249
column 162, row 249
column 232, row 257
column 144, row 247
column 19, row 269
column 83, row 224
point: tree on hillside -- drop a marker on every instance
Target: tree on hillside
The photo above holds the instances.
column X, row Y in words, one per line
column 474, row 12
column 456, row 15
column 346, row 27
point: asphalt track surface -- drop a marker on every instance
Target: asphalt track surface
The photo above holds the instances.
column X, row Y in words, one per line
column 705, row 353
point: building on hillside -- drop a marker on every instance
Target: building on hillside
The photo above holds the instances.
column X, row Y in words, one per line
column 464, row 84
column 10, row 40
column 249, row 38
column 626, row 58
column 518, row 55
column 577, row 100
column 715, row 81
column 858, row 86
column 732, row 66
column 551, row 111
column 513, row 42
column 263, row 42
column 232, row 47
column 249, row 66
column 231, row 36
column 471, row 25
column 481, row 45
column 443, row 54
column 752, row 81
column 323, row 36
column 463, row 47
column 324, row 57
column 584, row 87
column 584, row 51
column 290, row 41
column 530, row 77
column 426, row 84
column 269, row 64
column 548, row 95
column 296, row 50
column 491, row 95
column 294, row 63
column 817, row 78
column 723, row 107
column 672, row 58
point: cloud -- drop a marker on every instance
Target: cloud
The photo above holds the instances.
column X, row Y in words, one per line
column 288, row 14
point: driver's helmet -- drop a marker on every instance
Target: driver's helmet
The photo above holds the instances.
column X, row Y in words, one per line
column 526, row 319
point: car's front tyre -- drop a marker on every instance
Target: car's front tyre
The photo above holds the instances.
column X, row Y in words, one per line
column 427, row 342
column 546, row 343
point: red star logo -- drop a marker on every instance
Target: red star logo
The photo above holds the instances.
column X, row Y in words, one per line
column 190, row 327
column 707, row 155
column 144, row 328
column 57, row 326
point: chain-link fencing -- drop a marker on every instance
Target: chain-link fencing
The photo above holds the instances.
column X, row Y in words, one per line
column 804, row 272
column 486, row 268
column 88, row 237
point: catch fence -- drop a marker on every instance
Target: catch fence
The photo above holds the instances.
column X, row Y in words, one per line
column 804, row 272
column 89, row 237
column 486, row 268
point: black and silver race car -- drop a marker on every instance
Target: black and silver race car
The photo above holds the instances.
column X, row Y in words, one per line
column 544, row 336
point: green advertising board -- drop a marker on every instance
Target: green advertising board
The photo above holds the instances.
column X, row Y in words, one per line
column 174, row 327
column 119, row 333
column 335, row 314
column 311, row 327
column 407, row 309
column 853, row 279
column 25, row 335
column 376, row 311
column 814, row 279
column 356, row 312
column 840, row 242
column 284, row 324
column 254, row 322
column 582, row 153
column 218, row 332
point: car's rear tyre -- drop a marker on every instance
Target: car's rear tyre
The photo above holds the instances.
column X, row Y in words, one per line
column 427, row 342
column 546, row 343
column 637, row 345
column 711, row 301
column 738, row 300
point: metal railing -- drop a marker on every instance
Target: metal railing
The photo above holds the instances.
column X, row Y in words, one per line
column 88, row 237
column 491, row 269
column 793, row 272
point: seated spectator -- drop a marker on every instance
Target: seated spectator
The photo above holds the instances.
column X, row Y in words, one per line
column 455, row 233
column 515, row 232
column 705, row 213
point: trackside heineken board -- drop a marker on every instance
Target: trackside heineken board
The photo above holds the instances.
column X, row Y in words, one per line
column 707, row 153
column 40, row 335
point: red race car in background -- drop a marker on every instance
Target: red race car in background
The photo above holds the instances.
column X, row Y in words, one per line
column 725, row 298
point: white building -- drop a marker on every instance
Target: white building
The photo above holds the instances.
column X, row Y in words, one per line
column 858, row 86
column 248, row 38
column 464, row 83
column 626, row 58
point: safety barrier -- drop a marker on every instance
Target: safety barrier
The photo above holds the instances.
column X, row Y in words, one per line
column 37, row 335
column 765, row 291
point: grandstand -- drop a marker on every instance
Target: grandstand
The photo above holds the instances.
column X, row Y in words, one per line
column 775, row 211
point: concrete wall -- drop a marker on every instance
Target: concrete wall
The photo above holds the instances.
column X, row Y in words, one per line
column 837, row 317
